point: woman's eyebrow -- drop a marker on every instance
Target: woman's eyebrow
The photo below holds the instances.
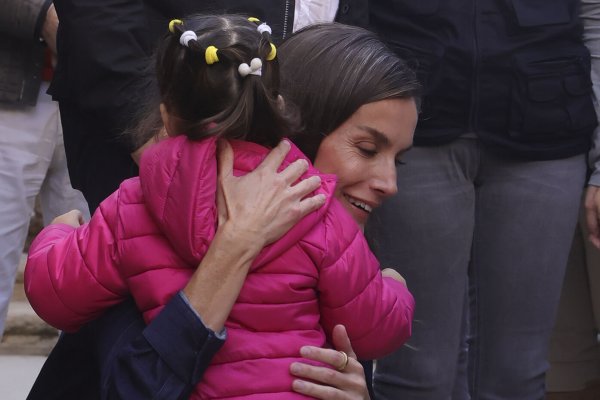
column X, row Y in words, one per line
column 401, row 152
column 380, row 137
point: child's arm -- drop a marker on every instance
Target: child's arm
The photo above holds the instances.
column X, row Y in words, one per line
column 71, row 275
column 377, row 311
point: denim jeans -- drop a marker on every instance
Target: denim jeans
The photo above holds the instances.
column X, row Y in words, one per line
column 32, row 162
column 574, row 348
column 467, row 219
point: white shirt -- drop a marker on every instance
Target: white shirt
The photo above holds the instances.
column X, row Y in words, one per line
column 308, row 12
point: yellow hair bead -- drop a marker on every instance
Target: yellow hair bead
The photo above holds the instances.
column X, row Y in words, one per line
column 272, row 53
column 210, row 55
column 253, row 19
column 173, row 23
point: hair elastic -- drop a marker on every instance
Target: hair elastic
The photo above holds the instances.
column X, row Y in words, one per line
column 173, row 23
column 262, row 28
column 255, row 68
column 210, row 55
column 273, row 53
column 186, row 36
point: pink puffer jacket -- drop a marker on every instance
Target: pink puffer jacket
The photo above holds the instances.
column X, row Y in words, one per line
column 148, row 236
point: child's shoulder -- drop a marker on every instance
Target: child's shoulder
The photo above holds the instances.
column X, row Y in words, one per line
column 128, row 211
column 123, row 203
column 335, row 235
column 130, row 191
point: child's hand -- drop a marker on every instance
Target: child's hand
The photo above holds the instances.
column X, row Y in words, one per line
column 392, row 273
column 73, row 218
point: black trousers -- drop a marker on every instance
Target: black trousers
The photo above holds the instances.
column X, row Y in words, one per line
column 78, row 365
column 98, row 154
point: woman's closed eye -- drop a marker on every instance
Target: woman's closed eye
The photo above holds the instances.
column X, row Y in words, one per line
column 398, row 161
column 367, row 151
column 370, row 152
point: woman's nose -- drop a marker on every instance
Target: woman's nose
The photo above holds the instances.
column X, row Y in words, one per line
column 385, row 182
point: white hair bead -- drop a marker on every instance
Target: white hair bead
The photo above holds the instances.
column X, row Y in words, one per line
column 186, row 36
column 244, row 69
column 255, row 64
column 255, row 68
column 262, row 28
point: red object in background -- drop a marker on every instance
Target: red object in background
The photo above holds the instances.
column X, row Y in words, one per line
column 48, row 69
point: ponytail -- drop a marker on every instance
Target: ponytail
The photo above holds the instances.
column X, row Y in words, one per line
column 219, row 76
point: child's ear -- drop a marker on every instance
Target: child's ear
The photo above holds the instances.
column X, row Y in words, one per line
column 166, row 119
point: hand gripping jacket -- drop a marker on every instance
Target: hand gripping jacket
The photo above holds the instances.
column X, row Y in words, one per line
column 148, row 237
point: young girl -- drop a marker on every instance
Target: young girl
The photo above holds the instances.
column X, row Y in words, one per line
column 218, row 78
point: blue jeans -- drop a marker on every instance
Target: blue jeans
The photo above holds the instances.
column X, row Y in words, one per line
column 466, row 219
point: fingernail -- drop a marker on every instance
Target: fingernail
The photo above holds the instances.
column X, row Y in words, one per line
column 295, row 368
column 285, row 143
column 299, row 385
column 302, row 163
column 304, row 350
column 321, row 198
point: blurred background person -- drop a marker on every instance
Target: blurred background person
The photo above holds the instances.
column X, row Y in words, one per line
column 32, row 157
column 489, row 196
column 574, row 350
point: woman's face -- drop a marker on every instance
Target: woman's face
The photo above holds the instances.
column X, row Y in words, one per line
column 363, row 152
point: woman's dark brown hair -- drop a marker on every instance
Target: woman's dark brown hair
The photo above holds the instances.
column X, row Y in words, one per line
column 328, row 71
column 216, row 100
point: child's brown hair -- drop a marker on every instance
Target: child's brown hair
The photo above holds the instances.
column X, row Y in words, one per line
column 204, row 89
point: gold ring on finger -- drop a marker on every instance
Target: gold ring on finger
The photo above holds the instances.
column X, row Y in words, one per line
column 344, row 363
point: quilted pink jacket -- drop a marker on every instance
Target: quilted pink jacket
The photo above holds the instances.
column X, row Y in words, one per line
column 148, row 236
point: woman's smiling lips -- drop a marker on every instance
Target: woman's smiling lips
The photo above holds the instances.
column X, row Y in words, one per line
column 359, row 204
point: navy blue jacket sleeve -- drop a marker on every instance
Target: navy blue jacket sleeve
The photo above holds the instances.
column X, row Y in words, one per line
column 163, row 360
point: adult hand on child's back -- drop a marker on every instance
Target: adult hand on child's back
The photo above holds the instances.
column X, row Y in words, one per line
column 73, row 218
column 254, row 210
column 264, row 204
